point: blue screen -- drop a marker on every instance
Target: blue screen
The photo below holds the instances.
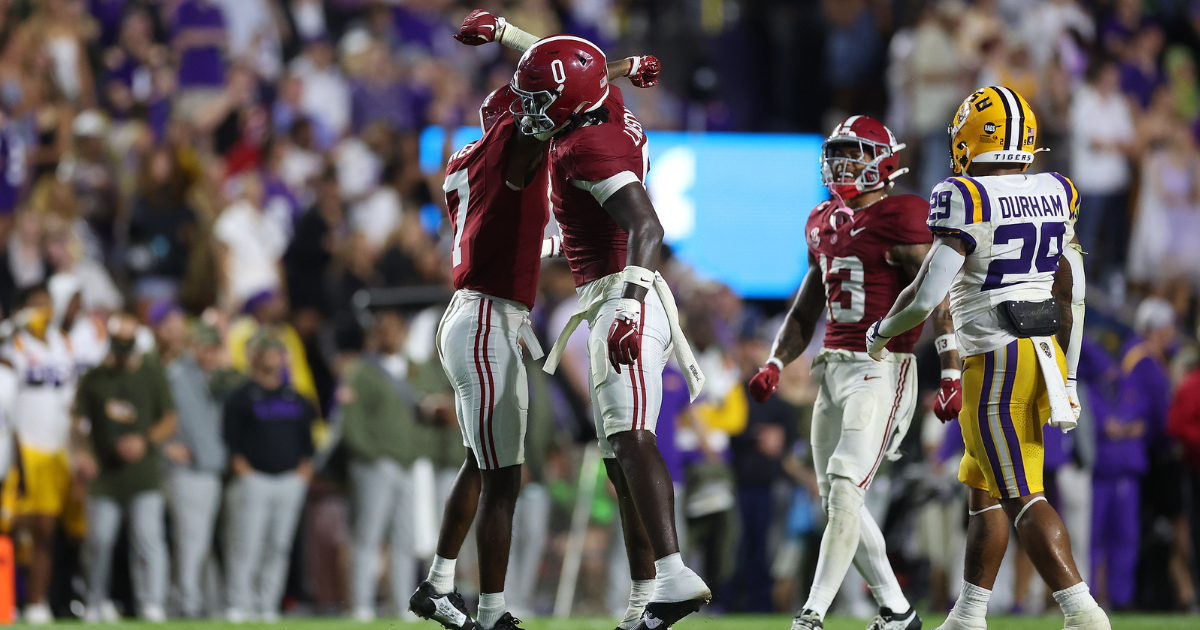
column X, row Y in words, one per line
column 733, row 205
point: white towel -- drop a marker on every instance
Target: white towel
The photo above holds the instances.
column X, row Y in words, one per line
column 1061, row 415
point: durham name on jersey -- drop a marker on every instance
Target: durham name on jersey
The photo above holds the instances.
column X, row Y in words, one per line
column 1016, row 227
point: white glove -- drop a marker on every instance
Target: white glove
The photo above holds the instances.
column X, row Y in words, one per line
column 877, row 343
column 1073, row 396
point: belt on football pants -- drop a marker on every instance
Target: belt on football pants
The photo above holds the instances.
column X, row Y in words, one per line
column 595, row 293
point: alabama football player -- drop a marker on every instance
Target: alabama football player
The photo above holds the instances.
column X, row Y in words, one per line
column 864, row 246
column 497, row 200
column 1002, row 236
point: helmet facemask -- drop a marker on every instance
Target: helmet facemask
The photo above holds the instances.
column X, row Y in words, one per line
column 530, row 111
column 837, row 171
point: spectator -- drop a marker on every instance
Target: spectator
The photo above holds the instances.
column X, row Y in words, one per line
column 127, row 403
column 268, row 311
column 268, row 432
column 161, row 227
column 1100, row 167
column 1165, row 244
column 45, row 371
column 758, row 454
column 254, row 30
column 383, row 440
column 1140, row 73
column 198, row 41
column 310, row 254
column 326, row 95
column 200, row 380
column 93, row 178
column 250, row 246
column 936, row 74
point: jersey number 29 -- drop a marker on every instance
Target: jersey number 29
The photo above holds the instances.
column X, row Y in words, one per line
column 844, row 288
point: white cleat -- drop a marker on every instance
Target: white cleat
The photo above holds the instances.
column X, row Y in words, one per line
column 958, row 623
column 364, row 615
column 38, row 615
column 106, row 612
column 1093, row 619
column 152, row 613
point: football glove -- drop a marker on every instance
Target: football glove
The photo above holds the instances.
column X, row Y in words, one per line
column 625, row 334
column 644, row 71
column 480, row 27
column 949, row 397
column 1073, row 396
column 763, row 384
column 877, row 343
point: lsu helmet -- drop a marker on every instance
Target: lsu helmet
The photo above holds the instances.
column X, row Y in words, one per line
column 877, row 154
column 496, row 105
column 557, row 79
column 994, row 124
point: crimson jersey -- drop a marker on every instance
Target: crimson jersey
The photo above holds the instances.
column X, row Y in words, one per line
column 497, row 230
column 592, row 242
column 851, row 251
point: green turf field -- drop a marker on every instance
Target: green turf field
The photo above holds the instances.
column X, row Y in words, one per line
column 737, row 622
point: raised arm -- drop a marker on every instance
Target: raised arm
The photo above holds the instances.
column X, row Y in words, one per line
column 481, row 27
column 948, row 403
column 795, row 334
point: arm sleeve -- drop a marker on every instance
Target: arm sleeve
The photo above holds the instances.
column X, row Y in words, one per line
column 959, row 207
column 943, row 265
column 1078, row 291
column 603, row 189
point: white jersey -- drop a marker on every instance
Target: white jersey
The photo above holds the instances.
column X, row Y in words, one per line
column 46, row 379
column 1016, row 227
column 89, row 343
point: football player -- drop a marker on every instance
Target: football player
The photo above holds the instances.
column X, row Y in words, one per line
column 41, row 357
column 1001, row 238
column 611, row 238
column 864, row 246
column 497, row 201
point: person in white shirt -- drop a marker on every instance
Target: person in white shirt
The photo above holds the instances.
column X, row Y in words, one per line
column 251, row 246
column 1102, row 135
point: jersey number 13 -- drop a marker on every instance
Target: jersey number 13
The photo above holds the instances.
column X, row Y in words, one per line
column 844, row 288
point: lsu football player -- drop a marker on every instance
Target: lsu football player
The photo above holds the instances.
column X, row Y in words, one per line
column 1001, row 238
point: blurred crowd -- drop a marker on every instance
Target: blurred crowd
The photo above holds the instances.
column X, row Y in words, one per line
column 222, row 266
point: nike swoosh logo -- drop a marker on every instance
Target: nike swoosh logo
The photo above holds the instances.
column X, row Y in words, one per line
column 855, row 232
column 652, row 622
column 489, row 26
column 867, row 378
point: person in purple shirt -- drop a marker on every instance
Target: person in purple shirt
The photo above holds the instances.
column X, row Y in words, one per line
column 1141, row 75
column 1125, row 427
column 198, row 39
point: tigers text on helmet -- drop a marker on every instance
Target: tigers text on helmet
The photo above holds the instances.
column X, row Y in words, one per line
column 877, row 149
column 497, row 104
column 994, row 124
column 557, row 79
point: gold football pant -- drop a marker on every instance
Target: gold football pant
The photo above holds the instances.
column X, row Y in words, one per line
column 1005, row 405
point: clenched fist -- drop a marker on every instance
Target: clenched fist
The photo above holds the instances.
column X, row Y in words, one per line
column 480, row 28
column 763, row 384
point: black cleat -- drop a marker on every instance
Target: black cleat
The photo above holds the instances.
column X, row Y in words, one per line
column 447, row 609
column 663, row 615
column 507, row 622
column 808, row 620
column 888, row 620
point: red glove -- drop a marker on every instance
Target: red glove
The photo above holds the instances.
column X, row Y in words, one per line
column 480, row 28
column 763, row 384
column 644, row 72
column 949, row 397
column 625, row 334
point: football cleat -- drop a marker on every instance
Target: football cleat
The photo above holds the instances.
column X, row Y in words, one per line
column 888, row 620
column 507, row 622
column 663, row 615
column 808, row 620
column 447, row 609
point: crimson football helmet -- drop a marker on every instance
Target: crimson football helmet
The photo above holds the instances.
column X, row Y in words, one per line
column 877, row 156
column 557, row 79
column 496, row 105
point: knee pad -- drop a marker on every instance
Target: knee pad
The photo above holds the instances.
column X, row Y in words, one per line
column 845, row 499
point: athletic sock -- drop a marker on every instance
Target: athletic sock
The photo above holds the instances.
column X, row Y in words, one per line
column 872, row 562
column 972, row 602
column 1075, row 599
column 674, row 582
column 441, row 574
column 838, row 545
column 639, row 596
column 491, row 609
